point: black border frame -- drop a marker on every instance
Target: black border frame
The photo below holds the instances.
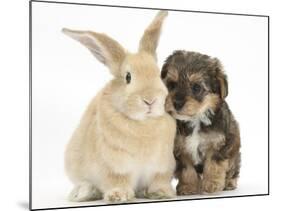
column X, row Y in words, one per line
column 146, row 8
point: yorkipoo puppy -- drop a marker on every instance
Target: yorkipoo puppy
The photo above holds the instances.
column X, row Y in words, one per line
column 207, row 145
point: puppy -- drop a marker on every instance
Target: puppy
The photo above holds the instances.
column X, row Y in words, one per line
column 208, row 141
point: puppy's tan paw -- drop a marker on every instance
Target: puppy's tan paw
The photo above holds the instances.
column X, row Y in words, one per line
column 161, row 193
column 212, row 186
column 119, row 195
column 230, row 184
column 187, row 189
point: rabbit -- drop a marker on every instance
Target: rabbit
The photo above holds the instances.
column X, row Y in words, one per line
column 123, row 146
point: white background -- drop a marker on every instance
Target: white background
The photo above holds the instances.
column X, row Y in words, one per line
column 14, row 107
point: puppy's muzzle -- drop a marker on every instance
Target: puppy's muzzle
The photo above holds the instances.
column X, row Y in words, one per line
column 179, row 101
column 178, row 104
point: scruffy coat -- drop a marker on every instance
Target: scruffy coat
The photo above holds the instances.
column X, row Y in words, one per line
column 207, row 143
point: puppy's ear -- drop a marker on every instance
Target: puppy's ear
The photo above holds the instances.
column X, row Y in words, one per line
column 149, row 40
column 164, row 71
column 104, row 48
column 223, row 84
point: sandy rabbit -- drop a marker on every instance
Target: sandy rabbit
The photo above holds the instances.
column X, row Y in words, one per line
column 123, row 146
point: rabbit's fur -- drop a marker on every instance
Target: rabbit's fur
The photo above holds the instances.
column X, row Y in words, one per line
column 124, row 144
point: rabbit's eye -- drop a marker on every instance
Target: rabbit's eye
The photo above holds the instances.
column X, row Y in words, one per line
column 128, row 78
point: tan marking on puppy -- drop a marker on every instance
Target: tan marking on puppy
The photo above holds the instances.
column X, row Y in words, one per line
column 198, row 78
column 169, row 104
column 173, row 75
column 195, row 77
column 230, row 184
column 211, row 101
column 192, row 107
column 214, row 175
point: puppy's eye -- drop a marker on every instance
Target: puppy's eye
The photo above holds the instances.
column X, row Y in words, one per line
column 171, row 85
column 128, row 78
column 196, row 89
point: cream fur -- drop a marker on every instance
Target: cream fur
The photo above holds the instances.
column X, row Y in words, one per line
column 123, row 146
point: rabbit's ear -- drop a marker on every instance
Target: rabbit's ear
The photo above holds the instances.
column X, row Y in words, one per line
column 104, row 48
column 149, row 40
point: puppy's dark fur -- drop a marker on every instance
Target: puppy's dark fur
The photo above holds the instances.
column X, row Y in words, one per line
column 207, row 145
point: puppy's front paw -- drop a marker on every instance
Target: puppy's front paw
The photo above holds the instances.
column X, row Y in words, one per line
column 211, row 186
column 230, row 184
column 119, row 195
column 187, row 189
column 161, row 193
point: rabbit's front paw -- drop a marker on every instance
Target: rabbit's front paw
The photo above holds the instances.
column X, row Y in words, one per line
column 161, row 193
column 84, row 192
column 119, row 195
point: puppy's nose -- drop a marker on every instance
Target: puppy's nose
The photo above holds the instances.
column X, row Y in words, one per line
column 179, row 100
column 178, row 104
column 149, row 102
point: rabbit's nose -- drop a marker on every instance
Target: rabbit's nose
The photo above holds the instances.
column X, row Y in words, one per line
column 149, row 102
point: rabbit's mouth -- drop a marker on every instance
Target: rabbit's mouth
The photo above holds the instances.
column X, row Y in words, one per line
column 146, row 115
column 150, row 113
column 149, row 110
